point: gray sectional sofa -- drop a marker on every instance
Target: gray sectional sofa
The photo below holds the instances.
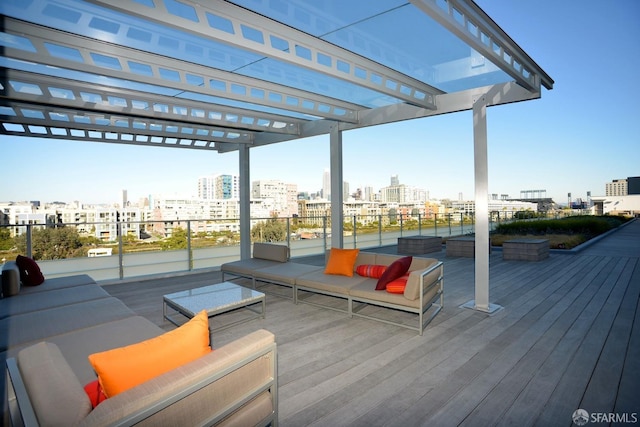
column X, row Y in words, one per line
column 423, row 295
column 48, row 331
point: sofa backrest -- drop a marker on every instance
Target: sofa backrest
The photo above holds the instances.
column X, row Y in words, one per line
column 271, row 251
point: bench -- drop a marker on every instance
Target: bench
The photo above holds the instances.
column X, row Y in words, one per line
column 525, row 249
column 463, row 247
column 417, row 245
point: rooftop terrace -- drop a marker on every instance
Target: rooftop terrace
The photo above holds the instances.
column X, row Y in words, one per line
column 567, row 337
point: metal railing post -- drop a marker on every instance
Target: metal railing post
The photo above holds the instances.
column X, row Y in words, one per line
column 379, row 230
column 29, row 241
column 189, row 254
column 355, row 242
column 419, row 224
column 120, row 249
column 435, row 224
column 324, row 233
column 289, row 233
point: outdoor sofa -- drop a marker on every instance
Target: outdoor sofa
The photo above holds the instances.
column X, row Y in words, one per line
column 48, row 332
column 422, row 296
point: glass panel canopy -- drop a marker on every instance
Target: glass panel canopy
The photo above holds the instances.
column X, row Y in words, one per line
column 277, row 64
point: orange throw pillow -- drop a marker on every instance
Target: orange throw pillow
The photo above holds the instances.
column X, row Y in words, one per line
column 397, row 286
column 341, row 261
column 123, row 368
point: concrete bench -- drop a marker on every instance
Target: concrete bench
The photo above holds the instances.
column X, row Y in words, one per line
column 463, row 247
column 525, row 249
column 417, row 245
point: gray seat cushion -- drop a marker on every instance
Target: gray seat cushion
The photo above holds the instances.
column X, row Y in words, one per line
column 25, row 303
column 37, row 325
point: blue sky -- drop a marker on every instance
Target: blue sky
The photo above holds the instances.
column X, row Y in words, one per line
column 578, row 136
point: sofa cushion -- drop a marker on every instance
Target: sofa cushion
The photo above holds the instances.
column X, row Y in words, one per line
column 397, row 269
column 123, row 368
column 341, row 261
column 285, row 273
column 55, row 283
column 30, row 273
column 365, row 292
column 56, row 395
column 373, row 271
column 26, row 328
column 43, row 300
column 333, row 283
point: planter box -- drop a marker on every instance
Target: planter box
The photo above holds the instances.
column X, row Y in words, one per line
column 417, row 245
column 525, row 249
column 463, row 247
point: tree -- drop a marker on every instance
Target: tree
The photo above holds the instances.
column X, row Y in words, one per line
column 271, row 230
column 6, row 242
column 178, row 240
column 52, row 243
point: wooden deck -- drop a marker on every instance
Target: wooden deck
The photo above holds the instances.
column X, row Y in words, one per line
column 568, row 337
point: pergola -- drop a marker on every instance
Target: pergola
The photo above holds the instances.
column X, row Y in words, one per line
column 220, row 76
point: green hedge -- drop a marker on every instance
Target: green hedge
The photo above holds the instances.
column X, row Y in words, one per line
column 586, row 225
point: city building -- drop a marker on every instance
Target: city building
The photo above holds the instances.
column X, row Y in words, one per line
column 617, row 187
column 282, row 197
column 221, row 186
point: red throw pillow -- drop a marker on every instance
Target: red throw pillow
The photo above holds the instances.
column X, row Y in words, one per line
column 371, row 270
column 30, row 274
column 95, row 393
column 396, row 270
column 397, row 286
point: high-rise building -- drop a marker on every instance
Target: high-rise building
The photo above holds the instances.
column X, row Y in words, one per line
column 221, row 186
column 227, row 187
column 617, row 187
column 326, row 184
column 633, row 185
column 395, row 181
column 206, row 187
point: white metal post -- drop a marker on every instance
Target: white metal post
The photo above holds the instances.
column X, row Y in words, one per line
column 337, row 222
column 481, row 172
column 245, row 201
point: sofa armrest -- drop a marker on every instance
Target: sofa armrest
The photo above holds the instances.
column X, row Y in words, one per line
column 431, row 284
column 223, row 383
column 20, row 409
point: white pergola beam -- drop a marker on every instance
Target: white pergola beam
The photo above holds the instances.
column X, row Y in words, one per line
column 467, row 21
column 24, row 86
column 185, row 76
column 269, row 38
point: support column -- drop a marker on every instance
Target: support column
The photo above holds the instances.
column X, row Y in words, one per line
column 481, row 167
column 245, row 201
column 337, row 198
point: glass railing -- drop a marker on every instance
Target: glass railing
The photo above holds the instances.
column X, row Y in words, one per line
column 126, row 249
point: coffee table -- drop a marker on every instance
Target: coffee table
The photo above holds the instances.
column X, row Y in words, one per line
column 214, row 299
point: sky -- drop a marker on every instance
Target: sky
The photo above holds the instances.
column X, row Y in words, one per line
column 577, row 137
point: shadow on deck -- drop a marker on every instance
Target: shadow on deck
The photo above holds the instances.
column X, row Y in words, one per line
column 567, row 338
